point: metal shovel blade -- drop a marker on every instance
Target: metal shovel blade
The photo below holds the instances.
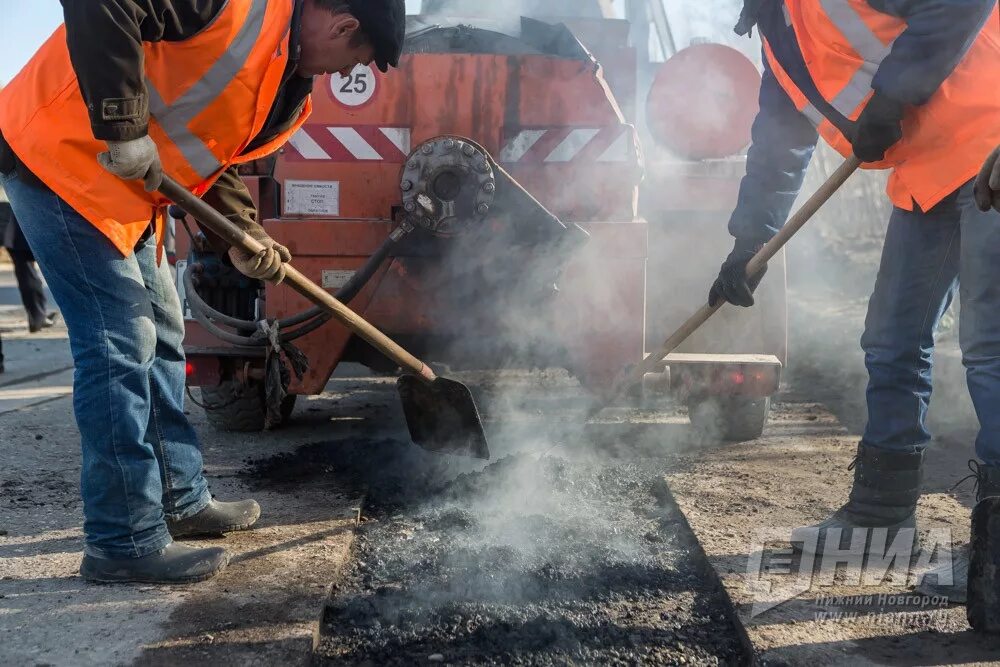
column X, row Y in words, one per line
column 442, row 416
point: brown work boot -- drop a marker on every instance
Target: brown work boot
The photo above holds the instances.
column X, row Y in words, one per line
column 983, row 605
column 217, row 518
column 884, row 498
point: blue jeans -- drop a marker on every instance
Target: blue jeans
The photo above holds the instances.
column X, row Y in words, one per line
column 928, row 258
column 141, row 457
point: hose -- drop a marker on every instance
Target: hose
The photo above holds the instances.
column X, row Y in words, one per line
column 310, row 320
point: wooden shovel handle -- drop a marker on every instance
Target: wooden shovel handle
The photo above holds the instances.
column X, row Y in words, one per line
column 235, row 236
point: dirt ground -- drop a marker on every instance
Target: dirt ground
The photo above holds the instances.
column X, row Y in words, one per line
column 744, row 499
column 262, row 610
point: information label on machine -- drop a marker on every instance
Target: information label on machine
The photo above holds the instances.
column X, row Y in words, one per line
column 333, row 279
column 357, row 88
column 320, row 198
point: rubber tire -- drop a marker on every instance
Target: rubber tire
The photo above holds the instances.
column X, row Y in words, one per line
column 244, row 414
column 735, row 418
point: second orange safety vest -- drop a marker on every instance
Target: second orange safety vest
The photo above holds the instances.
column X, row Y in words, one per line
column 209, row 97
column 944, row 141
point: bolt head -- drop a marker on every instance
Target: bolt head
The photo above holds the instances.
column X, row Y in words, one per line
column 483, row 167
column 483, row 209
column 410, row 206
column 490, row 187
column 406, row 186
column 412, row 164
column 427, row 149
column 468, row 150
column 449, row 144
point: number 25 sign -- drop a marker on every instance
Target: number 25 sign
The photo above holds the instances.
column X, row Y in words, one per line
column 356, row 89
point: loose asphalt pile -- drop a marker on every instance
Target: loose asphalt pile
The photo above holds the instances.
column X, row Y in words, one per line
column 532, row 560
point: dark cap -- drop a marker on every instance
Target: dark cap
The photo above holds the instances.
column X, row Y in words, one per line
column 384, row 22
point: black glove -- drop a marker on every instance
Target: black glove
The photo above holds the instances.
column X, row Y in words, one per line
column 732, row 285
column 879, row 128
column 988, row 183
column 748, row 17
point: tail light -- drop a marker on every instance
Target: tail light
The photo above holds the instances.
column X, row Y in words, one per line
column 203, row 371
column 719, row 379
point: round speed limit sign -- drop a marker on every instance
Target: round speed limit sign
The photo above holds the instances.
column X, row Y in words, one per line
column 355, row 89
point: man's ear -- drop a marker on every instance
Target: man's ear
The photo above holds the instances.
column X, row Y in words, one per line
column 344, row 25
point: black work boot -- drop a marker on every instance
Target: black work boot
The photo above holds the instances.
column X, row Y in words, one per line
column 217, row 518
column 983, row 605
column 173, row 564
column 935, row 582
column 885, row 494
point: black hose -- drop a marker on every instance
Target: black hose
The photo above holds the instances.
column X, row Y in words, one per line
column 311, row 319
column 358, row 281
column 223, row 335
column 197, row 304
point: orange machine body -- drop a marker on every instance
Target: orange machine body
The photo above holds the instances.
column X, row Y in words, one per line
column 551, row 122
column 564, row 129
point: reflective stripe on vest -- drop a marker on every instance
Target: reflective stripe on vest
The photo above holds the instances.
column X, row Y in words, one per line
column 867, row 45
column 813, row 114
column 215, row 85
column 825, row 55
column 175, row 118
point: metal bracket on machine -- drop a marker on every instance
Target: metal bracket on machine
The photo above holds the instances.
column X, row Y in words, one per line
column 452, row 186
column 448, row 185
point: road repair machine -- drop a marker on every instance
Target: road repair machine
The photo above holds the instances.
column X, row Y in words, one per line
column 500, row 202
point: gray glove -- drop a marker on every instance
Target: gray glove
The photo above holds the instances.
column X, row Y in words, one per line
column 132, row 160
column 268, row 264
column 988, row 183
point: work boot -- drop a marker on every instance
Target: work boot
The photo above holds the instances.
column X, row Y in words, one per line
column 217, row 518
column 173, row 564
column 983, row 605
column 957, row 592
column 884, row 496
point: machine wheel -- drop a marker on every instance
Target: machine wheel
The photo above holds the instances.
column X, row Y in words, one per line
column 243, row 413
column 734, row 418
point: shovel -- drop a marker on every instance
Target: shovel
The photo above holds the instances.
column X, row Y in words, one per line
column 440, row 413
column 632, row 375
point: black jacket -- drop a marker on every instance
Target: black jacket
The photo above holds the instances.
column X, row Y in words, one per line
column 105, row 39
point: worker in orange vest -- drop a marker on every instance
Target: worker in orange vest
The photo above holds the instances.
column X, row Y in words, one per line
column 901, row 86
column 125, row 91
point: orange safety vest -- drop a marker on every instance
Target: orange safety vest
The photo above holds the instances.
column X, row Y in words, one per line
column 843, row 42
column 209, row 97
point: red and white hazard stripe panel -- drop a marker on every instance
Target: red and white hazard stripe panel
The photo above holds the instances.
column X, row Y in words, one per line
column 554, row 145
column 365, row 143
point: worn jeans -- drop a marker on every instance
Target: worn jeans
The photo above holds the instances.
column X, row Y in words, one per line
column 928, row 258
column 141, row 457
